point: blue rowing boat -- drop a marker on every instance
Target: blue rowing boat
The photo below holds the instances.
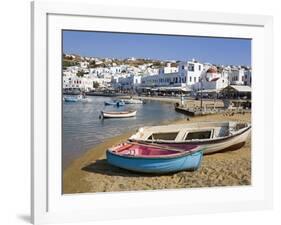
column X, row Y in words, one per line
column 70, row 99
column 150, row 158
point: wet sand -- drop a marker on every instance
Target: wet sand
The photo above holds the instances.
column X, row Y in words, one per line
column 91, row 173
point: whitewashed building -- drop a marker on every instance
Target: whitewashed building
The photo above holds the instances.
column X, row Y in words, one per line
column 84, row 64
column 240, row 76
column 236, row 77
column 130, row 82
column 248, row 77
column 212, row 80
column 98, row 71
column 170, row 69
column 74, row 82
column 194, row 72
column 186, row 74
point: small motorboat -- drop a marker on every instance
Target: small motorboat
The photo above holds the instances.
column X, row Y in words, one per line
column 212, row 136
column 109, row 103
column 132, row 101
column 120, row 103
column 115, row 103
column 84, row 99
column 70, row 99
column 79, row 98
column 116, row 114
column 151, row 158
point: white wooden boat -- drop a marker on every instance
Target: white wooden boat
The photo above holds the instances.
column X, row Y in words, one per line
column 212, row 136
column 121, row 114
column 132, row 101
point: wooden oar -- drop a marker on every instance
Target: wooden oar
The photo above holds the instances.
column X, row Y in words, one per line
column 160, row 146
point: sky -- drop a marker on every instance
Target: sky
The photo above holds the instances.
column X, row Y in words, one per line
column 223, row 51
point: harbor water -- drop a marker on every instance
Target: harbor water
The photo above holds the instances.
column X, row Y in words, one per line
column 83, row 129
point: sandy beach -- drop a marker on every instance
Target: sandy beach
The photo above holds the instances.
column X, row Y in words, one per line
column 91, row 173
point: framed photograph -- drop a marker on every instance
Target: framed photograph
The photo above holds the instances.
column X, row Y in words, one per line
column 140, row 112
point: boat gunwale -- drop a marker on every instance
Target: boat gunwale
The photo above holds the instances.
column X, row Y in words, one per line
column 197, row 141
column 171, row 156
column 119, row 113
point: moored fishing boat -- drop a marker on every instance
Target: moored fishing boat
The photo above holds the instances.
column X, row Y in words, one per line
column 70, row 99
column 212, row 136
column 84, row 99
column 115, row 103
column 150, row 158
column 117, row 114
column 109, row 103
column 132, row 101
column 79, row 98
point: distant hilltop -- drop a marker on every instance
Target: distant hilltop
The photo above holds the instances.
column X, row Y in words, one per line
column 95, row 62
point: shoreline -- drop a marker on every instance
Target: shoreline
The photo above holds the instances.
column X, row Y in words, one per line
column 91, row 173
column 189, row 101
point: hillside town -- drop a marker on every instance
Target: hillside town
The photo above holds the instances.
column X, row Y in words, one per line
column 139, row 106
column 149, row 76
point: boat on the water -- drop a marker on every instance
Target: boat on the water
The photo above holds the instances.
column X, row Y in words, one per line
column 70, row 99
column 109, row 103
column 132, row 101
column 115, row 103
column 79, row 98
column 150, row 158
column 117, row 114
column 212, row 136
column 84, row 99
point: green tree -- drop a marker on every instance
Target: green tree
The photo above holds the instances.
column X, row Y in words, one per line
column 67, row 63
column 80, row 74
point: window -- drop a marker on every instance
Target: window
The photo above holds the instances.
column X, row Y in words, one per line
column 198, row 135
column 190, row 78
column 163, row 136
column 199, row 67
column 190, row 67
column 182, row 67
column 194, row 79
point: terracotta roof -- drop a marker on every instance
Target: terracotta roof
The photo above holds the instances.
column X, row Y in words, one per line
column 212, row 69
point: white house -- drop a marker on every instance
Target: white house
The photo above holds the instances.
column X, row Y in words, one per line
column 99, row 71
column 240, row 76
column 194, row 72
column 185, row 74
column 162, row 79
column 248, row 77
column 74, row 82
column 84, row 64
column 170, row 69
column 130, row 82
column 211, row 79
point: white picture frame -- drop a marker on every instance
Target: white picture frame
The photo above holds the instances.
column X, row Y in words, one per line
column 49, row 205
